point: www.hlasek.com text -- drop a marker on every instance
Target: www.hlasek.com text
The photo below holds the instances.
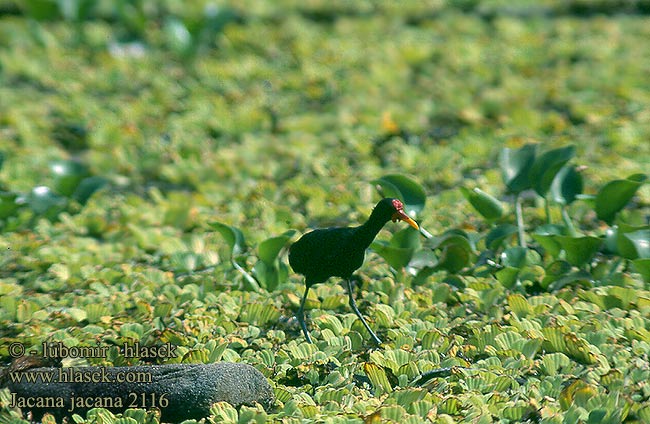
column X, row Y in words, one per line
column 79, row 375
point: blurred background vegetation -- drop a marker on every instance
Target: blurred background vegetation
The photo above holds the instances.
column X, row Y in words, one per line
column 149, row 148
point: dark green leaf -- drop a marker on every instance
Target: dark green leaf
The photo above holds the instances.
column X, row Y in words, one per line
column 454, row 257
column 406, row 238
column 507, row 276
column 641, row 241
column 489, row 207
column 546, row 167
column 67, row 175
column 613, row 196
column 43, row 201
column 545, row 236
column 627, row 247
column 642, row 266
column 9, row 204
column 397, row 257
column 515, row 164
column 567, row 185
column 514, row 257
column 270, row 248
column 178, row 36
column 453, row 236
column 233, row 236
column 554, row 272
column 580, row 277
column 87, row 187
column 579, row 250
column 497, row 235
column 404, row 188
column 40, row 9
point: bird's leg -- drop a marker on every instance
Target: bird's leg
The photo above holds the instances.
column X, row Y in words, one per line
column 301, row 315
column 353, row 305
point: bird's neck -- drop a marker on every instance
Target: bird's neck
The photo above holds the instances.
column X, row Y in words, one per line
column 367, row 232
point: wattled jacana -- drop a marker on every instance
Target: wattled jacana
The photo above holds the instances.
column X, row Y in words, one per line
column 339, row 251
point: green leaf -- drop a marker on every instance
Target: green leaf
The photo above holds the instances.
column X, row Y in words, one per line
column 515, row 164
column 567, row 185
column 546, row 167
column 642, row 266
column 613, row 196
column 269, row 249
column 640, row 240
column 178, row 36
column 378, row 378
column 497, row 235
column 233, row 236
column 87, row 187
column 404, row 188
column 579, row 250
column 519, row 305
column 514, row 257
column 581, row 277
column 397, row 257
column 546, row 234
column 454, row 257
column 407, row 238
column 67, row 175
column 9, row 204
column 224, row 412
column 507, row 276
column 43, row 201
column 489, row 207
column 41, row 9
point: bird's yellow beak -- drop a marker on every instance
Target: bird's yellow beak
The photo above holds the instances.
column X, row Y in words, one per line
column 404, row 217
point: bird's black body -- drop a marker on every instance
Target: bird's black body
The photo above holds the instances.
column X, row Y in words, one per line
column 339, row 251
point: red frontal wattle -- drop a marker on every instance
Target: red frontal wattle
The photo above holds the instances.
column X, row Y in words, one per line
column 398, row 205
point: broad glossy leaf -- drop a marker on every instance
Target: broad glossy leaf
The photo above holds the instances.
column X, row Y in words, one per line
column 453, row 236
column 547, row 165
column 408, row 238
column 404, row 188
column 9, row 204
column 507, row 276
column 567, row 185
column 269, row 249
column 514, row 257
column 642, row 266
column 555, row 271
column 498, row 234
column 640, row 241
column 233, row 236
column 546, row 234
column 489, row 207
column 397, row 257
column 178, row 36
column 613, row 196
column 515, row 165
column 67, row 175
column 41, row 9
column 580, row 277
column 87, row 187
column 454, row 257
column 42, row 200
column 579, row 250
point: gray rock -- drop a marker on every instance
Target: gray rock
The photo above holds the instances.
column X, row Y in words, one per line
column 180, row 391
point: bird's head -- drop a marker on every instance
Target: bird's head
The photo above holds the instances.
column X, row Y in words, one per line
column 395, row 209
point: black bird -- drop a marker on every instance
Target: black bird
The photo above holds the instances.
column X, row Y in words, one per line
column 339, row 251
